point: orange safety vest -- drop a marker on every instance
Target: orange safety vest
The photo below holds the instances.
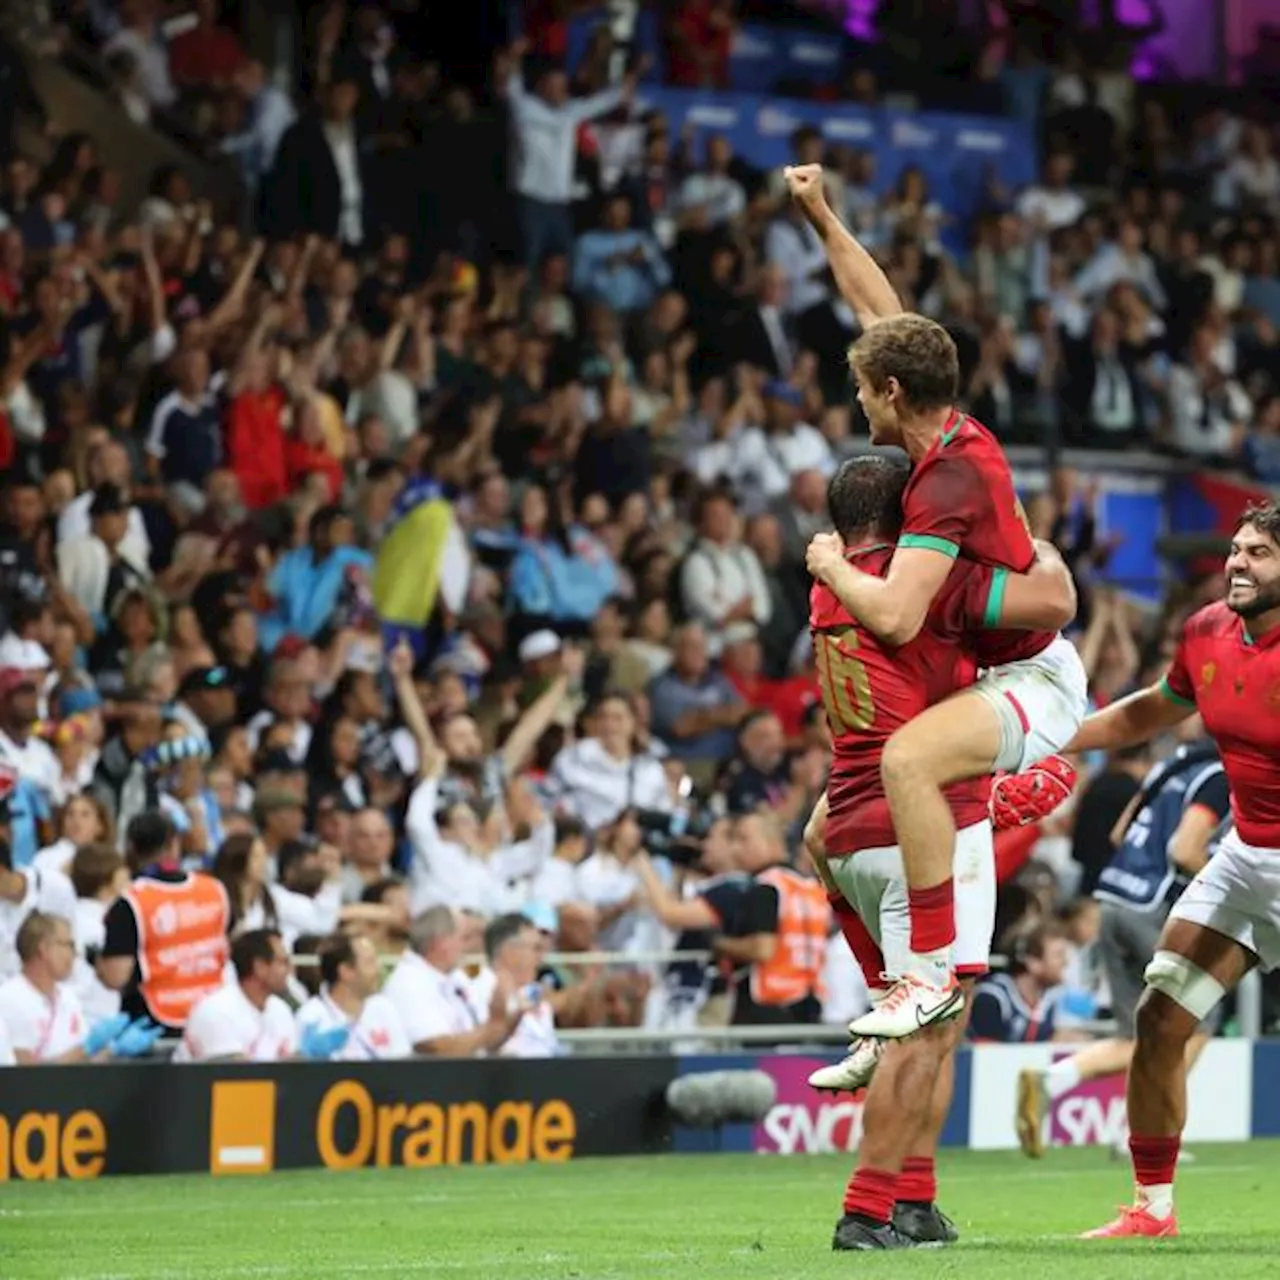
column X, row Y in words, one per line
column 794, row 971
column 182, row 942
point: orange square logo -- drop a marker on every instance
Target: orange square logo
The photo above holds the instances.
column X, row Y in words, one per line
column 242, row 1127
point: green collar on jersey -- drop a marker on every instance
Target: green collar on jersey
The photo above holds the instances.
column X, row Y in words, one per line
column 950, row 433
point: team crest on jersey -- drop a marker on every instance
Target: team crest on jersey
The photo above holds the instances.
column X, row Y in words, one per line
column 1207, row 672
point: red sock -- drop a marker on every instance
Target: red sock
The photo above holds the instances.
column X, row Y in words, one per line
column 933, row 916
column 864, row 947
column 871, row 1193
column 1154, row 1159
column 918, row 1181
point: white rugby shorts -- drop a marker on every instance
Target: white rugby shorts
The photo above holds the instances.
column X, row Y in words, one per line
column 1237, row 893
column 875, row 886
column 1040, row 701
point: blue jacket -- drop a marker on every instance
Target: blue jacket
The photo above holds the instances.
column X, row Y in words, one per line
column 566, row 588
column 306, row 593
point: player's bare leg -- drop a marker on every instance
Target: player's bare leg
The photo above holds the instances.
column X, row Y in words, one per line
column 1192, row 969
column 897, row 1109
column 916, row 1214
column 957, row 739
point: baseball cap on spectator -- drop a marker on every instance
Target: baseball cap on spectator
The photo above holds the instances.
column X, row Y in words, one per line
column 77, row 702
column 542, row 915
column 29, row 655
column 202, row 678
column 539, row 644
column 776, row 389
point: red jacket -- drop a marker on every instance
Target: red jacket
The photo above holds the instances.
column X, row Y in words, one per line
column 256, row 446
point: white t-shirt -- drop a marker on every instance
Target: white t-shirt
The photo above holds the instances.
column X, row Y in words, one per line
column 377, row 1034
column 535, row 1033
column 97, row 1000
column 590, row 783
column 55, row 857
column 431, row 1004
column 6, row 1049
column 444, row 872
column 35, row 761
column 227, row 1025
column 297, row 914
column 47, row 891
column 45, row 1028
column 75, row 522
column 604, row 881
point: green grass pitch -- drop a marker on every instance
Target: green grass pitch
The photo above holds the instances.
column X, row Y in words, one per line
column 670, row 1218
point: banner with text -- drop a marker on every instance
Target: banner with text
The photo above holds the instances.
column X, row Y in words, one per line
column 87, row 1122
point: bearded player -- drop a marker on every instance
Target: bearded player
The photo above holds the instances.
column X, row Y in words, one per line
column 1227, row 920
column 869, row 692
column 960, row 502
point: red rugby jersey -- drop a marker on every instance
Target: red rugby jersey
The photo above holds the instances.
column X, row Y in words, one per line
column 871, row 690
column 960, row 500
column 1234, row 682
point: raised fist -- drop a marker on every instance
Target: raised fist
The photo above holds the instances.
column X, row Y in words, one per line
column 804, row 182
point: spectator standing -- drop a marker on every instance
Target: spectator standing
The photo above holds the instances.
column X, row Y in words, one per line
column 165, row 941
column 603, row 773
column 319, row 184
column 699, row 43
column 721, row 581
column 545, row 125
column 207, row 55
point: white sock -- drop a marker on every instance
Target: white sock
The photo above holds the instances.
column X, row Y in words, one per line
column 1062, row 1077
column 933, row 968
column 1157, row 1200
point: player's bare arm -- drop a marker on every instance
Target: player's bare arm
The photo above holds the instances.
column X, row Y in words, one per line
column 862, row 284
column 892, row 608
column 1042, row 599
column 1138, row 718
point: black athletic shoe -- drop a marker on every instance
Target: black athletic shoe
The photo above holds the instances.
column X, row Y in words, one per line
column 922, row 1223
column 855, row 1233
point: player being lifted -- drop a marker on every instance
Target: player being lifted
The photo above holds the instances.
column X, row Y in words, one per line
column 960, row 502
column 869, row 691
column 1227, row 920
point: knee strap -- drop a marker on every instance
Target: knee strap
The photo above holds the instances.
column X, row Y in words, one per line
column 1184, row 982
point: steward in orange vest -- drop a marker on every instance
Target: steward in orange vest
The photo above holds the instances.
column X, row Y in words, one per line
column 780, row 931
column 166, row 939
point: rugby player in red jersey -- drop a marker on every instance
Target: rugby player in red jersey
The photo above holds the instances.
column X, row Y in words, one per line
column 960, row 502
column 869, row 691
column 1227, row 920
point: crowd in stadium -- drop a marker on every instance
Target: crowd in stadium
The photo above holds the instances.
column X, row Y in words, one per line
column 581, row 419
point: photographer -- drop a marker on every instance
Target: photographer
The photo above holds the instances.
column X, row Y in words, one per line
column 769, row 930
column 697, row 992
